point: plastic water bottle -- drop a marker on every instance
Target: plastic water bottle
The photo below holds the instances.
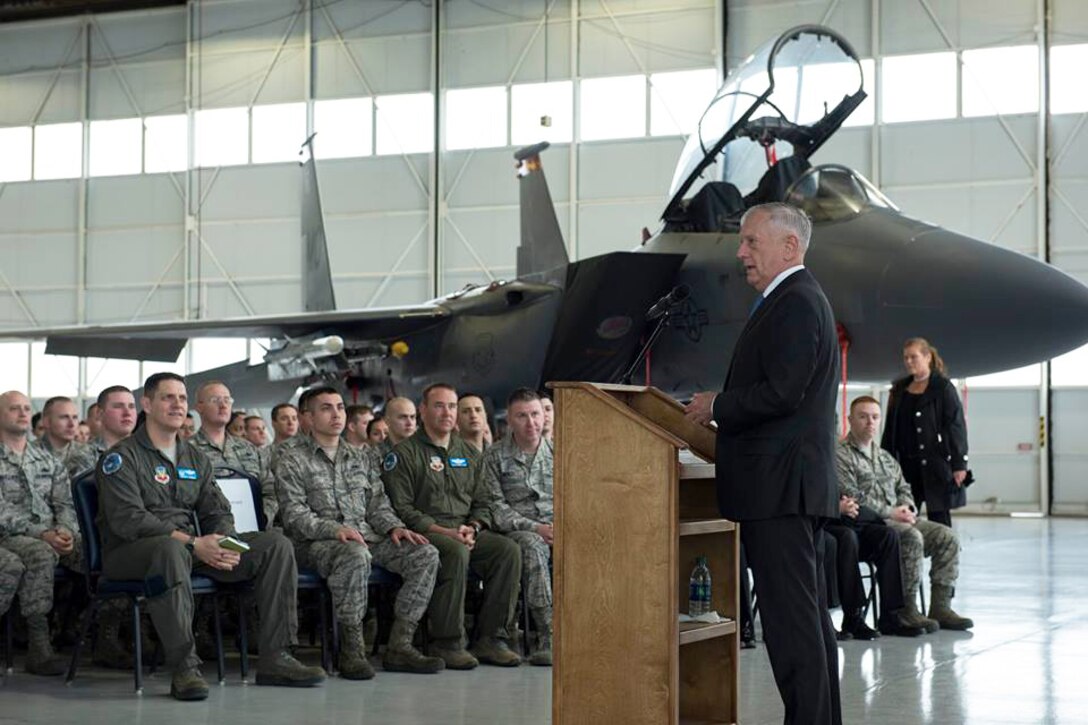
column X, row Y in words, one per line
column 699, row 589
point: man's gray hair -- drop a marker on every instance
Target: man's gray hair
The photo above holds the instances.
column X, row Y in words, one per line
column 788, row 218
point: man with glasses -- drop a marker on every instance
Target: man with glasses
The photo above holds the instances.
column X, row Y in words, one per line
column 213, row 403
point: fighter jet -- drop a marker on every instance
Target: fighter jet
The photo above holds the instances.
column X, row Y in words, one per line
column 887, row 275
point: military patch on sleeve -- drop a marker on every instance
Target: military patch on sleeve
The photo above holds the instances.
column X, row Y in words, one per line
column 390, row 461
column 111, row 464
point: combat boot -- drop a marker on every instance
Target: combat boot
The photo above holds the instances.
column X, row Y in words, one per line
column 282, row 669
column 495, row 651
column 40, row 658
column 541, row 653
column 187, row 684
column 108, row 651
column 909, row 616
column 898, row 625
column 940, row 609
column 353, row 662
column 454, row 655
column 401, row 656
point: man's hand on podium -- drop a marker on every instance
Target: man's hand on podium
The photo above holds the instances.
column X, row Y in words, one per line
column 701, row 408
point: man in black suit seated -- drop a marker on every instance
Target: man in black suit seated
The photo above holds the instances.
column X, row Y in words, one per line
column 776, row 454
column 861, row 535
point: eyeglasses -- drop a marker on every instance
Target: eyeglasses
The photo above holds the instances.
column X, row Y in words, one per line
column 220, row 400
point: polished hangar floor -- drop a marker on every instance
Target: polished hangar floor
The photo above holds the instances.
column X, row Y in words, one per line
column 1024, row 581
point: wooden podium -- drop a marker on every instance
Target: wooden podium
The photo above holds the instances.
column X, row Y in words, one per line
column 632, row 513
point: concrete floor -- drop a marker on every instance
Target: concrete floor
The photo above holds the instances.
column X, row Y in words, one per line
column 1025, row 583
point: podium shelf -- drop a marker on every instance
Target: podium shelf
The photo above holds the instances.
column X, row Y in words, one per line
column 692, row 527
column 697, row 631
column 696, row 471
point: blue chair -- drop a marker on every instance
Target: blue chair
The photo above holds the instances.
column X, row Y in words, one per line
column 308, row 580
column 99, row 588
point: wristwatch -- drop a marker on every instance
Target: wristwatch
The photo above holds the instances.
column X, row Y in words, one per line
column 475, row 527
column 190, row 543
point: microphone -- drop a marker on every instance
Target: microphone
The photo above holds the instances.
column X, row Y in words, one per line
column 678, row 294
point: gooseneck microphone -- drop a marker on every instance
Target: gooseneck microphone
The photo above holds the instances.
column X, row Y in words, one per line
column 678, row 294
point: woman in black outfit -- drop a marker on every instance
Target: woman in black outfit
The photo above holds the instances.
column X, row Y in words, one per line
column 925, row 431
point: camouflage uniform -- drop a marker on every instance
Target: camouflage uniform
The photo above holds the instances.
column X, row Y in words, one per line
column 35, row 496
column 521, row 484
column 872, row 477
column 243, row 456
column 11, row 575
column 76, row 457
column 432, row 485
column 144, row 498
column 318, row 496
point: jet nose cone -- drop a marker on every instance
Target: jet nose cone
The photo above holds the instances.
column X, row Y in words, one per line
column 991, row 309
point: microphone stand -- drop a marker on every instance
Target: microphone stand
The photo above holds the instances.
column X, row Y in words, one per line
column 662, row 323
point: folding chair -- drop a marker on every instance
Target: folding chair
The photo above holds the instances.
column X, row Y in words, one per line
column 871, row 602
column 99, row 588
column 248, row 511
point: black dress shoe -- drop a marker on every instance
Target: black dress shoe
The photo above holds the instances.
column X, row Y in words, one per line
column 747, row 636
column 858, row 629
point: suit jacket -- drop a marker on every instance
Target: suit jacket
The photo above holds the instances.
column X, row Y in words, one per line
column 776, row 412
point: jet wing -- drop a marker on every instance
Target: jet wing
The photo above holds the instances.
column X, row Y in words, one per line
column 163, row 341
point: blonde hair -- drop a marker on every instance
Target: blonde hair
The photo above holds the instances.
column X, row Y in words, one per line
column 936, row 364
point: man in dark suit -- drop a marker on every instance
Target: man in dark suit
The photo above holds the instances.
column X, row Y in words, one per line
column 776, row 455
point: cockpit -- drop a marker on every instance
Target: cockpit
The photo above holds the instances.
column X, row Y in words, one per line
column 832, row 192
column 755, row 139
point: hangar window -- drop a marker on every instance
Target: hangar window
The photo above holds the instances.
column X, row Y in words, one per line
column 824, row 80
column 1070, row 369
column 58, row 151
column 532, row 102
column 612, row 108
column 213, row 352
column 278, row 132
column 1029, row 376
column 116, row 147
column 475, row 118
column 166, row 143
column 15, row 145
column 14, row 371
column 103, row 372
column 344, row 127
column 1001, row 80
column 405, row 123
column 52, row 374
column 918, row 87
column 1067, row 90
column 221, row 137
column 678, row 99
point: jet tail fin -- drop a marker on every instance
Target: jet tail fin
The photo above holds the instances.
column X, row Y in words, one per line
column 542, row 247
column 317, row 291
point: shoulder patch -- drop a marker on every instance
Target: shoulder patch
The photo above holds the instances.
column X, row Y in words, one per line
column 390, row 461
column 112, row 463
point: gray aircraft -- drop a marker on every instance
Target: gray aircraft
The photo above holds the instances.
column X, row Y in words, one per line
column 888, row 276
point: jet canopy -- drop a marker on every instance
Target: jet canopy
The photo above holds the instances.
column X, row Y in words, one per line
column 771, row 114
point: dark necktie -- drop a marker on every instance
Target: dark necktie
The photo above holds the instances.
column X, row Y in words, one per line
column 755, row 305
